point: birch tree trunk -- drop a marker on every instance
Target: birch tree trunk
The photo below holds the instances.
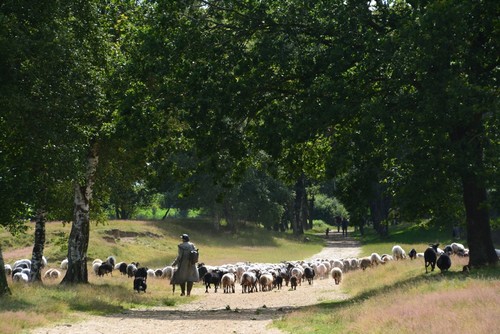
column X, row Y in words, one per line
column 79, row 236
column 38, row 247
column 4, row 285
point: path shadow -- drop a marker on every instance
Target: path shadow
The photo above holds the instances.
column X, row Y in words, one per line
column 260, row 313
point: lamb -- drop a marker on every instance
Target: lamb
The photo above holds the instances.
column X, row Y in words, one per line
column 336, row 274
column 398, row 253
column 430, row 256
column 444, row 262
column 228, row 281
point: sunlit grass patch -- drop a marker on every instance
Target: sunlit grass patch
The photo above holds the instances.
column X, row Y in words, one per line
column 400, row 298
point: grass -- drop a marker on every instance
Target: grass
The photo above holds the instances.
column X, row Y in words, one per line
column 400, row 298
column 152, row 243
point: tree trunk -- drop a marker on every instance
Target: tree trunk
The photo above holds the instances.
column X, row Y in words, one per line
column 311, row 210
column 482, row 251
column 79, row 236
column 4, row 286
column 469, row 141
column 38, row 247
column 298, row 221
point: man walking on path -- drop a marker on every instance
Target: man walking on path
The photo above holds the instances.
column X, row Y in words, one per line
column 345, row 223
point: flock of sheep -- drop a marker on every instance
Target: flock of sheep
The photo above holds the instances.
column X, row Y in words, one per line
column 254, row 277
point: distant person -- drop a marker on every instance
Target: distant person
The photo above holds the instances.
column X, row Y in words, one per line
column 338, row 221
column 345, row 223
column 186, row 271
column 327, row 231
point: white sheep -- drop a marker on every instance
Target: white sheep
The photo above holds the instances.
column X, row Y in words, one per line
column 95, row 266
column 64, row 264
column 20, row 277
column 365, row 262
column 266, row 282
column 228, row 280
column 52, row 274
column 168, row 271
column 398, row 252
column 319, row 268
column 386, row 258
column 338, row 264
column 458, row 249
column 8, row 270
column 151, row 273
column 376, row 259
column 336, row 274
column 354, row 263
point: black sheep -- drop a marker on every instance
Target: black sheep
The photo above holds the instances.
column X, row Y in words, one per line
column 104, row 269
column 278, row 282
column 412, row 254
column 293, row 282
column 141, row 272
column 430, row 257
column 123, row 268
column 202, row 270
column 140, row 277
column 140, row 284
column 309, row 274
column 444, row 262
column 212, row 278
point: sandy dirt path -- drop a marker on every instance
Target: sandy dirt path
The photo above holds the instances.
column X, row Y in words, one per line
column 218, row 312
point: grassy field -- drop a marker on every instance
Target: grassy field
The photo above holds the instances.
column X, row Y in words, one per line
column 399, row 297
column 152, row 243
column 395, row 298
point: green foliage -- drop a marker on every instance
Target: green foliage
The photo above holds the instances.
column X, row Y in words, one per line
column 327, row 208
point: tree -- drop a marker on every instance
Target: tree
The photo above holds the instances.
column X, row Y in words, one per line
column 443, row 81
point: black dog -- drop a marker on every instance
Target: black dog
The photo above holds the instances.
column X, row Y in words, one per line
column 140, row 280
column 140, row 284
